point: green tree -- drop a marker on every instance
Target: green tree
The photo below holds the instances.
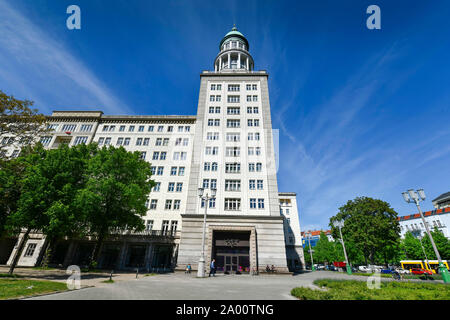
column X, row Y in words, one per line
column 412, row 248
column 327, row 251
column 19, row 123
column 307, row 255
column 442, row 244
column 113, row 200
column 10, row 173
column 48, row 189
column 370, row 225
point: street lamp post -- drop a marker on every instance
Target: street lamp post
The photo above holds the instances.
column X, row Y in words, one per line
column 416, row 197
column 205, row 197
column 339, row 224
column 308, row 234
column 418, row 234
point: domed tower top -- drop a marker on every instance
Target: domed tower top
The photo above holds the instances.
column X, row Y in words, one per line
column 233, row 53
column 234, row 33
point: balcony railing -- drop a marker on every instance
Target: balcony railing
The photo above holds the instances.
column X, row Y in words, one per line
column 151, row 233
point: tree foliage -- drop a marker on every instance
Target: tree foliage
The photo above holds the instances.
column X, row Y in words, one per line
column 19, row 123
column 113, row 200
column 413, row 249
column 73, row 192
column 370, row 226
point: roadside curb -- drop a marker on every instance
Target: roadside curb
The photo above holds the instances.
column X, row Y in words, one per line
column 48, row 293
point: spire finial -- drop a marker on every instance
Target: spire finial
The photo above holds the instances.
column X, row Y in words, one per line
column 234, row 27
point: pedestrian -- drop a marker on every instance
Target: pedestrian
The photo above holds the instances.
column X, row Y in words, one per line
column 188, row 268
column 212, row 268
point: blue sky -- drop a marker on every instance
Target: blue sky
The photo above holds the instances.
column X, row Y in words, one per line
column 360, row 112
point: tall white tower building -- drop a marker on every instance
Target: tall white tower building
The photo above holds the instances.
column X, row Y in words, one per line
column 234, row 153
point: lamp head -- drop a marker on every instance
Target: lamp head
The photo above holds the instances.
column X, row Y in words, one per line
column 338, row 223
column 421, row 194
column 413, row 194
column 200, row 192
column 213, row 193
column 406, row 196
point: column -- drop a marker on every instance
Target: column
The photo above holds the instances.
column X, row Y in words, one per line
column 122, row 253
column 229, row 60
column 247, row 64
column 239, row 60
column 69, row 254
column 148, row 256
column 220, row 63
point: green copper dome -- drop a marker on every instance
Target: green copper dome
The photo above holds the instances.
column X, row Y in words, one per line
column 234, row 33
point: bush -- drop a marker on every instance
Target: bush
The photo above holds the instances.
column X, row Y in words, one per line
column 358, row 290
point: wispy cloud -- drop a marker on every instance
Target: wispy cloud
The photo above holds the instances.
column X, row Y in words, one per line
column 35, row 66
column 325, row 164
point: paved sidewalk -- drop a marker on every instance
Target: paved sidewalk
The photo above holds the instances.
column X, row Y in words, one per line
column 179, row 286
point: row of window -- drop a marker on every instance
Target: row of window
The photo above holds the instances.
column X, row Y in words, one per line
column 169, row 205
column 234, row 204
column 414, row 226
column 234, row 185
column 164, row 226
column 232, row 151
column 234, row 44
column 235, row 110
column 232, row 99
column 234, row 167
column 112, row 128
column 233, row 123
column 234, row 87
column 122, row 141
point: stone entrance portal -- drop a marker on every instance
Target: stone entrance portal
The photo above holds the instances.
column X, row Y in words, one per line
column 233, row 247
column 231, row 251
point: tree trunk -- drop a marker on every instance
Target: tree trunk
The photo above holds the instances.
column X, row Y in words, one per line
column 96, row 251
column 48, row 252
column 19, row 252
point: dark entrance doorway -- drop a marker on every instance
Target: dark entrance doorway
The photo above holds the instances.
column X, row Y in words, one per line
column 135, row 256
column 162, row 256
column 109, row 256
column 232, row 251
column 6, row 248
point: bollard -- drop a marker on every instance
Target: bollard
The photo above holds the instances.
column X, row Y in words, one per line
column 137, row 272
column 110, row 275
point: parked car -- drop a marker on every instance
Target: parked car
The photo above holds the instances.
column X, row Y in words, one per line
column 364, row 269
column 402, row 271
column 332, row 268
column 320, row 267
column 420, row 272
column 386, row 271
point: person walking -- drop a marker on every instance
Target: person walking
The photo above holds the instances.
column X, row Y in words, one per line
column 188, row 268
column 212, row 268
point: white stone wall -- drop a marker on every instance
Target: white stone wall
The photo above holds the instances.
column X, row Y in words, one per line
column 442, row 221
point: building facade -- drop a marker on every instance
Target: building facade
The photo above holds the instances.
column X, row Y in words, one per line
column 227, row 146
column 443, row 201
column 438, row 218
column 314, row 236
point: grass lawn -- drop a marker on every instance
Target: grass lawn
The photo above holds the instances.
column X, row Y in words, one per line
column 7, row 275
column 405, row 276
column 15, row 288
column 357, row 290
column 108, row 281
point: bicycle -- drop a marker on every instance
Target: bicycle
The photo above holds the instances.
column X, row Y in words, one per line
column 397, row 276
